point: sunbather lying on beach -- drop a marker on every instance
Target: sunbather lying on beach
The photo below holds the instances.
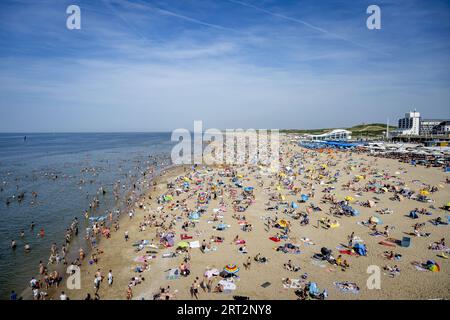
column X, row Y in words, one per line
column 290, row 267
column 260, row 259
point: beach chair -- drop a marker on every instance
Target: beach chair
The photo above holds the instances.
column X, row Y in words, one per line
column 406, row 242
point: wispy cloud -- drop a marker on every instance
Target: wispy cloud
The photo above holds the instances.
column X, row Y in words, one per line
column 159, row 65
column 307, row 24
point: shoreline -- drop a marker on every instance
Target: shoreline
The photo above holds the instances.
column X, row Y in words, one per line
column 81, row 241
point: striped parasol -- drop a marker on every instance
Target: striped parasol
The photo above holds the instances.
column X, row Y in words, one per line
column 231, row 269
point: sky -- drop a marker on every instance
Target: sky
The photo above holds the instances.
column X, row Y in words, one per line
column 140, row 65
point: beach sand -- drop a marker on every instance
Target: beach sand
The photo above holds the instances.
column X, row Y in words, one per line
column 118, row 255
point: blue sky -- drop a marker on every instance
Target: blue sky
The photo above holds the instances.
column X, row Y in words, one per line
column 140, row 65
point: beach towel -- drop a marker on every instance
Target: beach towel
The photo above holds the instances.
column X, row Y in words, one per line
column 211, row 273
column 227, row 285
column 194, row 244
column 173, row 274
column 143, row 258
column 387, row 243
column 295, row 284
column 185, row 237
column 240, row 241
column 275, row 239
column 266, row 284
column 307, row 241
column 347, row 287
column 348, row 252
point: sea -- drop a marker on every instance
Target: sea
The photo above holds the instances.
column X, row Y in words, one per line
column 48, row 179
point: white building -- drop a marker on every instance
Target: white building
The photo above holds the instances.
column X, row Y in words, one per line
column 334, row 135
column 410, row 124
column 442, row 129
column 427, row 125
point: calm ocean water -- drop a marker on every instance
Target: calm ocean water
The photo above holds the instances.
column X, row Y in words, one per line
column 66, row 171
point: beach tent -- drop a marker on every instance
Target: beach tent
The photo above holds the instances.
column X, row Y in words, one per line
column 447, row 206
column 169, row 238
column 413, row 214
column 406, row 242
column 360, row 249
column 313, row 289
column 248, row 189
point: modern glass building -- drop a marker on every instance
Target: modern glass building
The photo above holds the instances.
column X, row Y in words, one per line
column 334, row 135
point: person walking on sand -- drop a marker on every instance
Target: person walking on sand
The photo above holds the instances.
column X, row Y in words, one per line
column 126, row 236
column 350, row 240
column 129, row 293
column 110, row 278
column 97, row 281
column 194, row 288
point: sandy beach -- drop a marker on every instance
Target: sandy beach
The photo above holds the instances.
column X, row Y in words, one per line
column 339, row 174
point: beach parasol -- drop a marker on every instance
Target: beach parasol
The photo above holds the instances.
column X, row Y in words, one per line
column 201, row 198
column 304, row 197
column 248, row 189
column 231, row 269
column 433, row 266
column 194, row 216
column 294, row 205
column 349, row 198
column 283, row 223
column 168, row 198
column 182, row 244
column 424, row 192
